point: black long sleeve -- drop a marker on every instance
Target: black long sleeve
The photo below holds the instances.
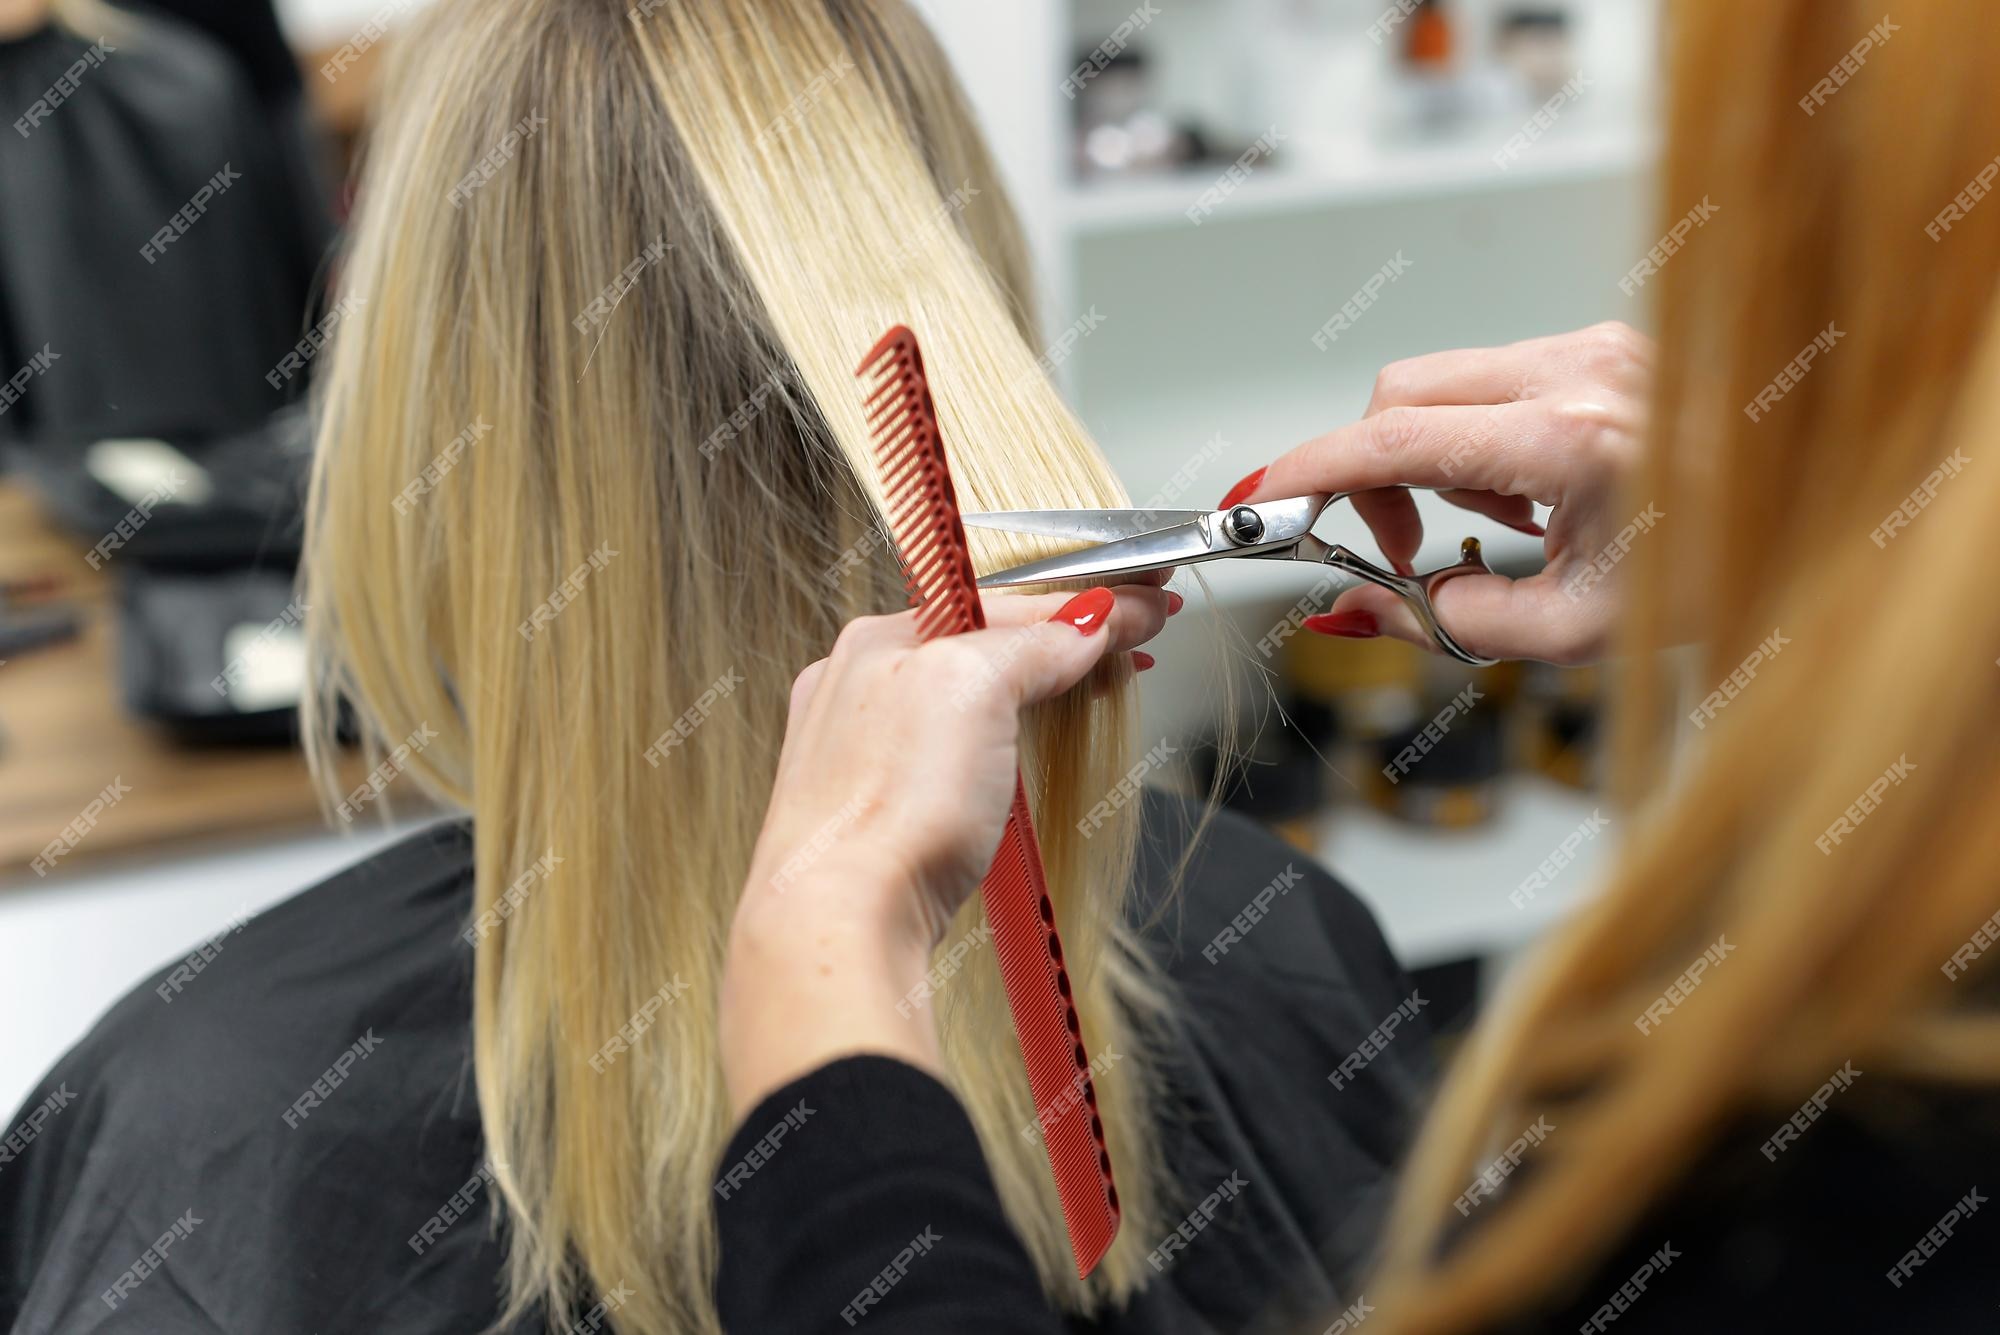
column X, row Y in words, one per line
column 859, row 1191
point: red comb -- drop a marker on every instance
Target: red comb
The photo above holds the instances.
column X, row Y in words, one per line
column 923, row 517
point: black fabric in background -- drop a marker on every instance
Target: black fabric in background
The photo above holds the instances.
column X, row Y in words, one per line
column 249, row 31
column 179, row 347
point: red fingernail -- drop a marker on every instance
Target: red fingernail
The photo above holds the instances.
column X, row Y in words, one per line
column 1141, row 660
column 1530, row 528
column 1174, row 602
column 1353, row 625
column 1242, row 489
column 1089, row 611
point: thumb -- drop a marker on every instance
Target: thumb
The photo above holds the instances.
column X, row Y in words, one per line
column 1041, row 661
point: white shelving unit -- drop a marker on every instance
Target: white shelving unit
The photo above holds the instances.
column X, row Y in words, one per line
column 1373, row 174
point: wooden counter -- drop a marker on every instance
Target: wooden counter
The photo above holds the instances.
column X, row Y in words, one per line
column 64, row 737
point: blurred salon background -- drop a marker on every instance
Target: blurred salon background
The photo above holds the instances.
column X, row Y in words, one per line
column 1242, row 210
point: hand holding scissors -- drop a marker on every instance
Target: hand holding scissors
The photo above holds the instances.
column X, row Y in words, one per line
column 1128, row 542
column 1552, row 421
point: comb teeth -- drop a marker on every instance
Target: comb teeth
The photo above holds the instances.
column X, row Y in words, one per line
column 923, row 518
column 922, row 506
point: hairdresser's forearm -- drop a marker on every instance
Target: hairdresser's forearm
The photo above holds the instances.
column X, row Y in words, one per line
column 815, row 973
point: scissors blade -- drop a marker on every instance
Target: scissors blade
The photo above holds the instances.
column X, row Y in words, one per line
column 1127, row 556
column 1082, row 525
column 1285, row 525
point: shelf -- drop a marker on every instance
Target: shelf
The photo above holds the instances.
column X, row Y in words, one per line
column 1445, row 894
column 1372, row 173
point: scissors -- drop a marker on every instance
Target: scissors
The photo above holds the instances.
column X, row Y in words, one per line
column 1127, row 542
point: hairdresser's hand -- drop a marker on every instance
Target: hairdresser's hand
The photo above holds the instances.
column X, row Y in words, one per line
column 893, row 787
column 1553, row 420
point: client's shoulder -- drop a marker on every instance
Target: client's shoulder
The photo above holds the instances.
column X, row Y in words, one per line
column 1279, row 977
column 298, row 1086
column 374, row 941
column 1208, row 879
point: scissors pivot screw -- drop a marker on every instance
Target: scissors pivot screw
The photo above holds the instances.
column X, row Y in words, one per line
column 1244, row 525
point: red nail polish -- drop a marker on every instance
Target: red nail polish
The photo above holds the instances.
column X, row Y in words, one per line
column 1530, row 528
column 1352, row 625
column 1141, row 660
column 1089, row 611
column 1242, row 489
column 1174, row 602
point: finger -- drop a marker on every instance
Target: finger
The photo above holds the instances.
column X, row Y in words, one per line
column 1512, row 448
column 1025, row 664
column 1490, row 615
column 1138, row 612
column 1462, row 376
column 1516, row 512
column 1517, row 371
column 1392, row 517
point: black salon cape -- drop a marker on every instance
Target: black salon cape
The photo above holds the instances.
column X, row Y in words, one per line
column 177, row 1108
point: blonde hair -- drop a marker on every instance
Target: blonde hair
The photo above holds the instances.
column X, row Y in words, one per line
column 624, row 264
column 1840, row 911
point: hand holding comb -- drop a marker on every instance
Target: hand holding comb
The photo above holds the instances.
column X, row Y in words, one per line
column 923, row 519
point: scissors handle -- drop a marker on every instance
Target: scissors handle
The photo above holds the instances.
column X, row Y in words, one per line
column 1416, row 590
